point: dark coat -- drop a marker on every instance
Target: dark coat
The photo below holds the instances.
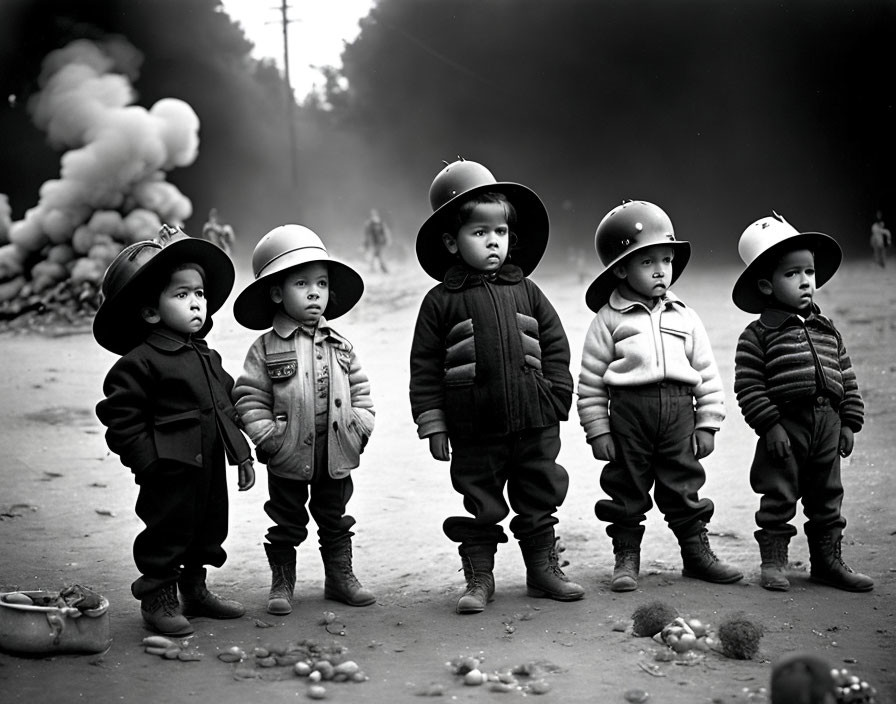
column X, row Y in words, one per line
column 169, row 398
column 489, row 355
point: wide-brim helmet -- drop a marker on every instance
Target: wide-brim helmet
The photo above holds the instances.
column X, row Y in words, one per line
column 461, row 180
column 633, row 225
column 118, row 325
column 283, row 248
column 768, row 238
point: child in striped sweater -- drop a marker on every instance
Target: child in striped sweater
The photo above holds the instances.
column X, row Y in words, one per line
column 796, row 388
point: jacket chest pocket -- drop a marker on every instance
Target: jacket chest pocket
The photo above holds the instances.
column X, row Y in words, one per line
column 282, row 366
column 670, row 332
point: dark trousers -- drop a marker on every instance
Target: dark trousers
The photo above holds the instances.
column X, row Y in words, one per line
column 185, row 512
column 291, row 501
column 810, row 473
column 652, row 428
column 523, row 462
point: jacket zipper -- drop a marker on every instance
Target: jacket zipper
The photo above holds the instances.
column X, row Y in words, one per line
column 501, row 333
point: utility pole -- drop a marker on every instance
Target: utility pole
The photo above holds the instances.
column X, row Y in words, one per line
column 290, row 96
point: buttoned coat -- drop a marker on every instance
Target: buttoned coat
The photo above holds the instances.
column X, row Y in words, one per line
column 169, row 399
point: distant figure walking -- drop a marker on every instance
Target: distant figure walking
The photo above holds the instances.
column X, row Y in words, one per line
column 376, row 239
column 880, row 240
column 217, row 232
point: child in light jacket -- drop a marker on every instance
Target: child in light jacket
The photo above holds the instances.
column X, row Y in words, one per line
column 650, row 394
column 305, row 403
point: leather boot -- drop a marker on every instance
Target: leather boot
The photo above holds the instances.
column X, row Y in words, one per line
column 700, row 562
column 478, row 565
column 340, row 583
column 161, row 612
column 827, row 566
column 544, row 578
column 773, row 551
column 283, row 584
column 628, row 565
column 199, row 601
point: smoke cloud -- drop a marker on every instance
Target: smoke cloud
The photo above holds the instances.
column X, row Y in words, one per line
column 111, row 188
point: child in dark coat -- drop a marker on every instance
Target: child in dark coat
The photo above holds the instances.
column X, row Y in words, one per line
column 169, row 417
column 490, row 378
column 797, row 389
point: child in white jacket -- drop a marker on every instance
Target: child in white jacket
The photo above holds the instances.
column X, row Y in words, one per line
column 649, row 394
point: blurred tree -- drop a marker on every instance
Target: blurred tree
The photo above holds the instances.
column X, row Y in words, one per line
column 718, row 111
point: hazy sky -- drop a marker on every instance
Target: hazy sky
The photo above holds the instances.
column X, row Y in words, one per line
column 317, row 30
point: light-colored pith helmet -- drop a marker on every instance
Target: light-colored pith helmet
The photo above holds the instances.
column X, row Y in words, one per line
column 283, row 248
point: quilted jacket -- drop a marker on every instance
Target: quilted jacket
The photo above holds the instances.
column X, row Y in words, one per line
column 489, row 356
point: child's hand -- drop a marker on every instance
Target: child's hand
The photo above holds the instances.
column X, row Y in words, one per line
column 246, row 475
column 438, row 446
column 704, row 443
column 603, row 448
column 777, row 443
column 846, row 441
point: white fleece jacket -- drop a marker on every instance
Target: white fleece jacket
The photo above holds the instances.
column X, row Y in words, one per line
column 628, row 344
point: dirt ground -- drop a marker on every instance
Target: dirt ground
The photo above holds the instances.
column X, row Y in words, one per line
column 66, row 516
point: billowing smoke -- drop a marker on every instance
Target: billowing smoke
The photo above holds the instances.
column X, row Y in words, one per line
column 111, row 189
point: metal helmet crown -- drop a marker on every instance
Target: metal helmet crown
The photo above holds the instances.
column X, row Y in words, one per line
column 458, row 177
column 633, row 225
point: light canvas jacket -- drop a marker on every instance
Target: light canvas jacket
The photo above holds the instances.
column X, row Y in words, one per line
column 628, row 344
column 274, row 397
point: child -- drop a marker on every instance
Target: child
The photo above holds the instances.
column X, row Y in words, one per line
column 305, row 403
column 490, row 376
column 169, row 417
column 797, row 389
column 650, row 395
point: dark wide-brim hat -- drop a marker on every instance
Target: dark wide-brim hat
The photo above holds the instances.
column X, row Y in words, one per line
column 283, row 248
column 768, row 238
column 456, row 183
column 118, row 325
column 627, row 228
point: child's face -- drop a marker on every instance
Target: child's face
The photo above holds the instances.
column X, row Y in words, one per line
column 182, row 303
column 304, row 292
column 647, row 273
column 793, row 280
column 483, row 240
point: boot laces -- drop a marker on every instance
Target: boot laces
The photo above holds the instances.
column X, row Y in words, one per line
column 343, row 566
column 628, row 558
column 554, row 560
column 476, row 579
column 707, row 550
column 837, row 553
column 280, row 578
column 166, row 601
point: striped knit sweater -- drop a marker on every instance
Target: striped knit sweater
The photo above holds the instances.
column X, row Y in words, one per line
column 782, row 358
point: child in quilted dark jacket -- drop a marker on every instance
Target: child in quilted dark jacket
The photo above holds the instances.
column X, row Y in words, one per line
column 490, row 378
column 797, row 389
